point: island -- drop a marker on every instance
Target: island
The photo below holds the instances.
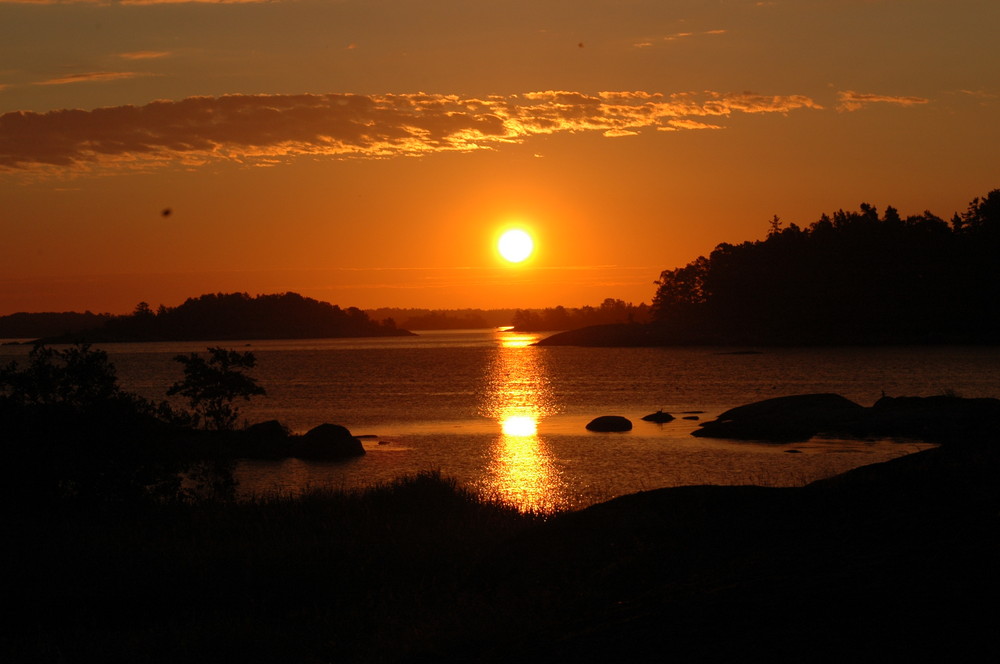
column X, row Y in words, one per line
column 230, row 316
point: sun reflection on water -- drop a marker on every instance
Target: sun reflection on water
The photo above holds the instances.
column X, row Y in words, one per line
column 518, row 396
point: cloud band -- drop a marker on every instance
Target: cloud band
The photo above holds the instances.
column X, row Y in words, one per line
column 267, row 127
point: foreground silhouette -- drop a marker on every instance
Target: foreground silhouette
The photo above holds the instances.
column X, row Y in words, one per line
column 883, row 563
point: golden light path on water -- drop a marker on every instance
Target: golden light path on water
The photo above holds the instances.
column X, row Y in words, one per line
column 518, row 396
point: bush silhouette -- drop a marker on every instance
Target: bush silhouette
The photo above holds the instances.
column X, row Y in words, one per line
column 74, row 434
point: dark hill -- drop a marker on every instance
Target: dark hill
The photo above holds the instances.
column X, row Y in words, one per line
column 889, row 562
column 229, row 316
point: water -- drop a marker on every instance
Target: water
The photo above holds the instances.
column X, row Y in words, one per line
column 507, row 418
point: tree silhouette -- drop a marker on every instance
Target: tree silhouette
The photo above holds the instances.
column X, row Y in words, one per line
column 852, row 277
column 212, row 386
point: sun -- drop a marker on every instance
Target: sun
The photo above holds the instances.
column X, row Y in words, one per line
column 516, row 246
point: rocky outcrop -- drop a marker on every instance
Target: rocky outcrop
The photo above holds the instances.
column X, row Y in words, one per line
column 328, row 442
column 785, row 419
column 938, row 419
column 609, row 423
column 659, row 417
column 613, row 335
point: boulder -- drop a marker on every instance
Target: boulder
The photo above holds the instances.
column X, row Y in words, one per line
column 658, row 417
column 610, row 423
column 268, row 440
column 327, row 441
column 942, row 418
column 786, row 419
column 271, row 430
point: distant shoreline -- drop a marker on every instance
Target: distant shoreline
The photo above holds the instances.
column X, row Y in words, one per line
column 650, row 335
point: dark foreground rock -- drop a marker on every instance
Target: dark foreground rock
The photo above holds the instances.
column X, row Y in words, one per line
column 890, row 562
column 607, row 423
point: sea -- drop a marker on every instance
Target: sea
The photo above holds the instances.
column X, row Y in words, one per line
column 507, row 418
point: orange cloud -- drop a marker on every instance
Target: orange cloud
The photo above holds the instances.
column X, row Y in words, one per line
column 688, row 124
column 91, row 77
column 143, row 55
column 261, row 129
column 852, row 101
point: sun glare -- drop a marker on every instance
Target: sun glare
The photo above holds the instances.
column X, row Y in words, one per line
column 515, row 246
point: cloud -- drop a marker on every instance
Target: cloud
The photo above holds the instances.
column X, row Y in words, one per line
column 143, row 55
column 647, row 42
column 91, row 77
column 263, row 129
column 849, row 100
column 674, row 125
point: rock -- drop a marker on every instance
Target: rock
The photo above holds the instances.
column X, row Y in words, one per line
column 659, row 417
column 690, row 417
column 785, row 419
column 609, row 423
column 936, row 419
column 270, row 430
column 263, row 440
column 940, row 418
column 327, row 441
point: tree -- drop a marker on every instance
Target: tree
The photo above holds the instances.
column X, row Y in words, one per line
column 76, row 378
column 74, row 435
column 212, row 386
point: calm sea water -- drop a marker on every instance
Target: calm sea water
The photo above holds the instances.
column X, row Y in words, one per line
column 507, row 418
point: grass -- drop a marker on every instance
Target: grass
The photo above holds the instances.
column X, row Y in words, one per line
column 338, row 576
column 422, row 569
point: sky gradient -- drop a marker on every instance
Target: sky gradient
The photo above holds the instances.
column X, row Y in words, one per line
column 369, row 153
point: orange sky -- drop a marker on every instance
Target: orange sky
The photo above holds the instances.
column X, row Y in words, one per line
column 367, row 152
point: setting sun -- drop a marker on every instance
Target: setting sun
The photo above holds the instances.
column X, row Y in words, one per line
column 515, row 246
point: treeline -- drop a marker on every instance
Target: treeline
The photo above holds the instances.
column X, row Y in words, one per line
column 609, row 312
column 853, row 277
column 443, row 319
column 32, row 326
column 227, row 316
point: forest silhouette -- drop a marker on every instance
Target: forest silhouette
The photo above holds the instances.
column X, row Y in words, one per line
column 228, row 316
column 851, row 278
column 854, row 277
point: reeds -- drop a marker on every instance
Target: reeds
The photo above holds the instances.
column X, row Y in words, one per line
column 328, row 575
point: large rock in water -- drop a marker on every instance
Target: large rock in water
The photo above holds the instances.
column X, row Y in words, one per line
column 786, row 419
column 659, row 417
column 269, row 440
column 327, row 441
column 941, row 418
column 610, row 423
